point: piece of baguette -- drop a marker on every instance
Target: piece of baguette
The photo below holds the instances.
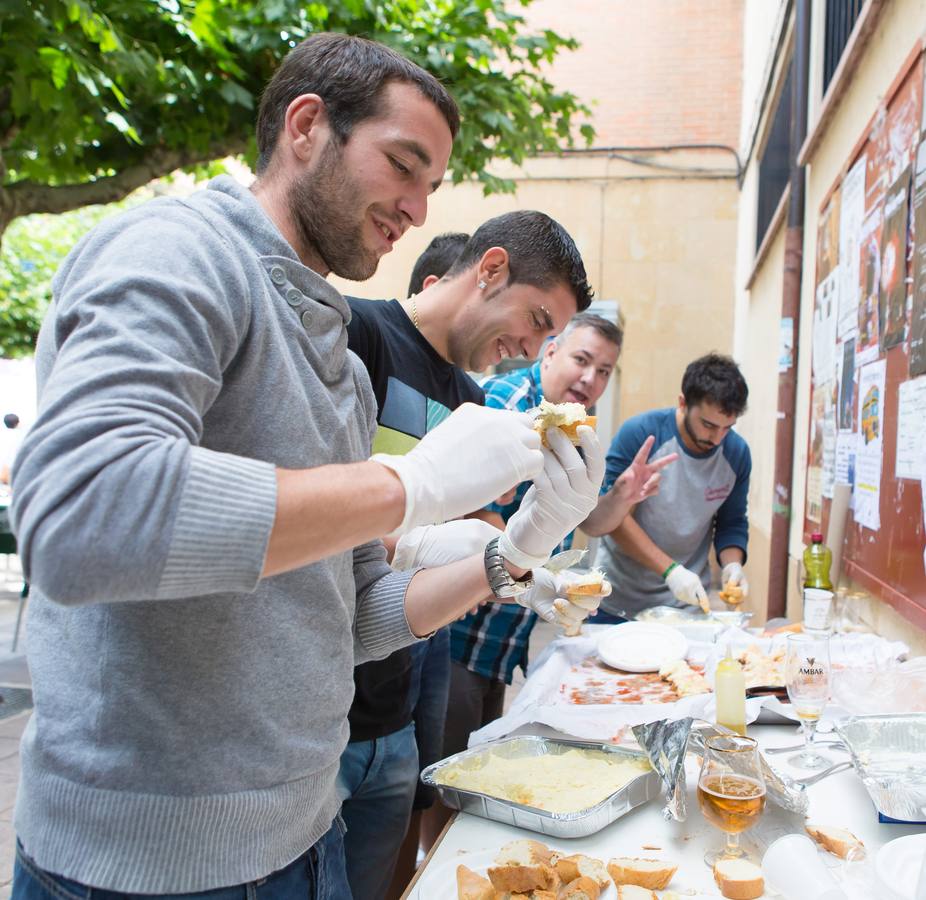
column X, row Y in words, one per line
column 565, row 416
column 471, row 886
column 522, row 879
column 732, row 594
column 634, row 892
column 581, row 888
column 526, row 853
column 739, row 879
column 569, row 868
column 837, row 840
column 647, row 873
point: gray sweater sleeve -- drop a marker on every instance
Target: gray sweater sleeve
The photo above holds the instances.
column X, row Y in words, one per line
column 111, row 482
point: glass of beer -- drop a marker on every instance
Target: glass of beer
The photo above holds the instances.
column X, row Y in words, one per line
column 731, row 790
column 807, row 678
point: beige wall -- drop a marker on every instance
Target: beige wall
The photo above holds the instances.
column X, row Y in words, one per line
column 900, row 27
column 661, row 245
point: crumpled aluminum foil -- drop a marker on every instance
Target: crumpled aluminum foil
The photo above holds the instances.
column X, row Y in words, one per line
column 666, row 743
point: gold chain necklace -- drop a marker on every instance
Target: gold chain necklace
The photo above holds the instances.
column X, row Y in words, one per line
column 415, row 314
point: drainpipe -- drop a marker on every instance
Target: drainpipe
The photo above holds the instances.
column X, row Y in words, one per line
column 782, row 504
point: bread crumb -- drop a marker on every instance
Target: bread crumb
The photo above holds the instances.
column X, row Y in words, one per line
column 649, row 847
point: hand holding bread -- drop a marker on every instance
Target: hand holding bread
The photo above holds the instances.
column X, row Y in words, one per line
column 561, row 498
column 550, row 598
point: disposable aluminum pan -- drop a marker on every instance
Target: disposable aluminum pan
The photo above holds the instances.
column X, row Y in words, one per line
column 889, row 753
column 644, row 787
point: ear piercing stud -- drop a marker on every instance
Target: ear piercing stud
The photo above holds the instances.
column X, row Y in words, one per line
column 482, row 285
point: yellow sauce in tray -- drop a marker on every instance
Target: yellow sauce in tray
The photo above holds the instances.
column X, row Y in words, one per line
column 560, row 783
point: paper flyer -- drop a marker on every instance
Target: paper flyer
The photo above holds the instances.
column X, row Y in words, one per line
column 828, row 475
column 846, row 416
column 846, row 444
column 918, row 317
column 824, row 328
column 851, row 216
column 893, row 294
column 815, row 494
column 911, row 428
column 868, row 346
column 870, row 442
column 785, row 345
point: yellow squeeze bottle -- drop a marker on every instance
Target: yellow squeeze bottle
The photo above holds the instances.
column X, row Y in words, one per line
column 730, row 694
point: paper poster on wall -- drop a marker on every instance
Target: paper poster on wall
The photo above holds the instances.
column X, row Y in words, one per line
column 846, row 417
column 824, row 328
column 911, row 427
column 785, row 345
column 851, row 216
column 918, row 315
column 846, row 444
column 867, row 346
column 870, row 443
column 893, row 294
column 828, row 238
column 815, row 494
column 828, row 475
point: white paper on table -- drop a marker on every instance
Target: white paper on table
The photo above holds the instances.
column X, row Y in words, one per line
column 824, row 327
column 851, row 216
column 870, row 442
column 911, row 427
column 543, row 700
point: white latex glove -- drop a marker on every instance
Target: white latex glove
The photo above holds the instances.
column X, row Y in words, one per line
column 687, row 587
column 472, row 457
column 548, row 599
column 437, row 545
column 733, row 574
column 560, row 499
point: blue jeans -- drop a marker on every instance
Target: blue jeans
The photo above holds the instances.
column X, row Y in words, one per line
column 376, row 786
column 316, row 875
column 430, row 689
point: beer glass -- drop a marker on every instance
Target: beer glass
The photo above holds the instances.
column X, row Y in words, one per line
column 731, row 790
column 807, row 678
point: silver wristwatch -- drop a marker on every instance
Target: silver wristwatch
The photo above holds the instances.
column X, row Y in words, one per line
column 500, row 580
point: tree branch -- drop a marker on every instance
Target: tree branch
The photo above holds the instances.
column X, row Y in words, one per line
column 26, row 197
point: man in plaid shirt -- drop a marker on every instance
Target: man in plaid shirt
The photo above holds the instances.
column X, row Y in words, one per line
column 489, row 644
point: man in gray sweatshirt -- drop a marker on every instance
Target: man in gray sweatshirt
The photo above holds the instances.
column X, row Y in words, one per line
column 198, row 516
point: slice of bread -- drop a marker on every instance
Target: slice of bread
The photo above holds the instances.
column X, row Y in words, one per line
column 634, row 892
column 732, row 594
column 471, row 886
column 565, row 416
column 526, row 853
column 569, row 868
column 522, row 879
column 739, row 879
column 581, row 888
column 837, row 840
column 647, row 873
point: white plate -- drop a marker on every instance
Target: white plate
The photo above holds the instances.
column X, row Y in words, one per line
column 898, row 864
column 641, row 646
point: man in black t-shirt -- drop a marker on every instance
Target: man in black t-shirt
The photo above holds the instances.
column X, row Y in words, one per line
column 515, row 276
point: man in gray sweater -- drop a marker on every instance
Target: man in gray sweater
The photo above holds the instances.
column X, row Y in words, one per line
column 198, row 515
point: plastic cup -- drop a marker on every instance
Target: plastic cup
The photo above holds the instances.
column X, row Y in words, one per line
column 818, row 606
column 793, row 867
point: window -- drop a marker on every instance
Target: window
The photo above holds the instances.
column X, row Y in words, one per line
column 840, row 20
column 775, row 164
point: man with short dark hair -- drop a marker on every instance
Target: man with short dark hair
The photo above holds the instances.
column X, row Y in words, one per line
column 198, row 513
column 435, row 260
column 659, row 554
column 415, row 351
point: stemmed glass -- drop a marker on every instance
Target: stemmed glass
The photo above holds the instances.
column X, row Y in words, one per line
column 731, row 790
column 807, row 678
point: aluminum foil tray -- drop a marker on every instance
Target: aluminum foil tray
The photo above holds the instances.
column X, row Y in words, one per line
column 644, row 787
column 692, row 615
column 889, row 753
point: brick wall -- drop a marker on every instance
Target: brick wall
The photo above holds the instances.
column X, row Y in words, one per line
column 657, row 71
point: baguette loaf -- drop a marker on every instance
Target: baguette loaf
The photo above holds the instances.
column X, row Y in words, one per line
column 522, row 879
column 582, row 888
